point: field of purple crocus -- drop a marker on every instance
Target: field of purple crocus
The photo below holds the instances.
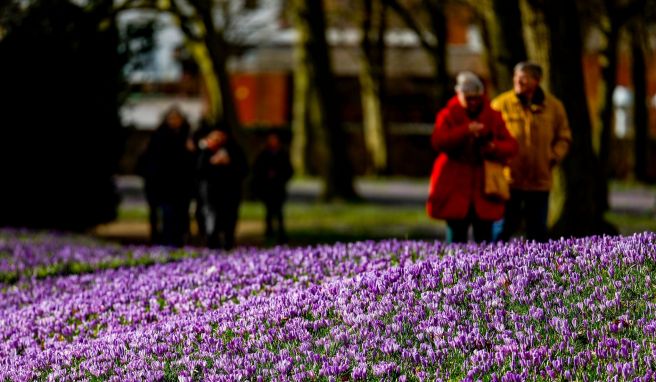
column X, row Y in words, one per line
column 579, row 309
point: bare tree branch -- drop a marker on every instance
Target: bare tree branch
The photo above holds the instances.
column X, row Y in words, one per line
column 410, row 21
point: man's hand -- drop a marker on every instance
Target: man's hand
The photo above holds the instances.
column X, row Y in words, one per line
column 221, row 157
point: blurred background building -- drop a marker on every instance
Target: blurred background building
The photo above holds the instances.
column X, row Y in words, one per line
column 261, row 68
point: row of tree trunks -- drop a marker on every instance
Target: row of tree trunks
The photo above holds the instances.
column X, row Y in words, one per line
column 318, row 131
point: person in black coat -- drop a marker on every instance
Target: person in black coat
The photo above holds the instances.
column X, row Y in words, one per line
column 221, row 169
column 271, row 172
column 167, row 168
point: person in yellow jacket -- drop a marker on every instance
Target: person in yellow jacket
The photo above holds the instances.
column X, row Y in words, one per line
column 538, row 121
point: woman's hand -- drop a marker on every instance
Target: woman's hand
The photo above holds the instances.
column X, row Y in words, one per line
column 475, row 128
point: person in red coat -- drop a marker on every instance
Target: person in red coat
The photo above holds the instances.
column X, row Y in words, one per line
column 467, row 131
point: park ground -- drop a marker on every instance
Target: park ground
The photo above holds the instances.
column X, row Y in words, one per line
column 389, row 208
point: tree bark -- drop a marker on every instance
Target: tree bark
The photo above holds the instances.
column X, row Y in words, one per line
column 617, row 18
column 607, row 111
column 300, row 107
column 503, row 23
column 372, row 76
column 336, row 169
column 583, row 212
column 640, row 112
column 536, row 37
column 439, row 28
column 435, row 46
column 218, row 52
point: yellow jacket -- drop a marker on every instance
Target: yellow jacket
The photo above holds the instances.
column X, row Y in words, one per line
column 543, row 134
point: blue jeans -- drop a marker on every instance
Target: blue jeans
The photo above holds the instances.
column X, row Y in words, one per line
column 531, row 207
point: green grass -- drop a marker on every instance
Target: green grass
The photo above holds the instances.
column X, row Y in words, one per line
column 309, row 223
column 628, row 223
column 625, row 185
column 631, row 223
column 327, row 223
column 314, row 222
column 347, row 215
column 133, row 213
column 362, row 216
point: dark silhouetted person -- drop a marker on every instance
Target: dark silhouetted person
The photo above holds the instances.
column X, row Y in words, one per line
column 466, row 132
column 271, row 172
column 167, row 166
column 221, row 169
column 538, row 121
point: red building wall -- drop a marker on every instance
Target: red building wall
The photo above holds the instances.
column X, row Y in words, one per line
column 262, row 99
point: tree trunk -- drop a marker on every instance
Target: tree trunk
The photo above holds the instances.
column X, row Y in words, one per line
column 217, row 49
column 503, row 24
column 300, row 108
column 336, row 169
column 211, row 84
column 439, row 28
column 583, row 212
column 536, row 36
column 309, row 145
column 61, row 137
column 609, row 76
column 371, row 84
column 435, row 46
column 640, row 112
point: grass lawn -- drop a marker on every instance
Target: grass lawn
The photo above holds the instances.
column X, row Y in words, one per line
column 312, row 222
column 309, row 223
column 632, row 223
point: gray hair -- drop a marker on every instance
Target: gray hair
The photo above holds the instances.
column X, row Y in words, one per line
column 531, row 68
column 468, row 83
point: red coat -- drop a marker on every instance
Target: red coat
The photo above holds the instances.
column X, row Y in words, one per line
column 457, row 178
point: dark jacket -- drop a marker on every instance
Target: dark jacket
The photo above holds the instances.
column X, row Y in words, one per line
column 167, row 165
column 271, row 172
column 224, row 181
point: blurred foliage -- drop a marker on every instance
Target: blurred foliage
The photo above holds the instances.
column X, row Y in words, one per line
column 137, row 43
column 61, row 76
